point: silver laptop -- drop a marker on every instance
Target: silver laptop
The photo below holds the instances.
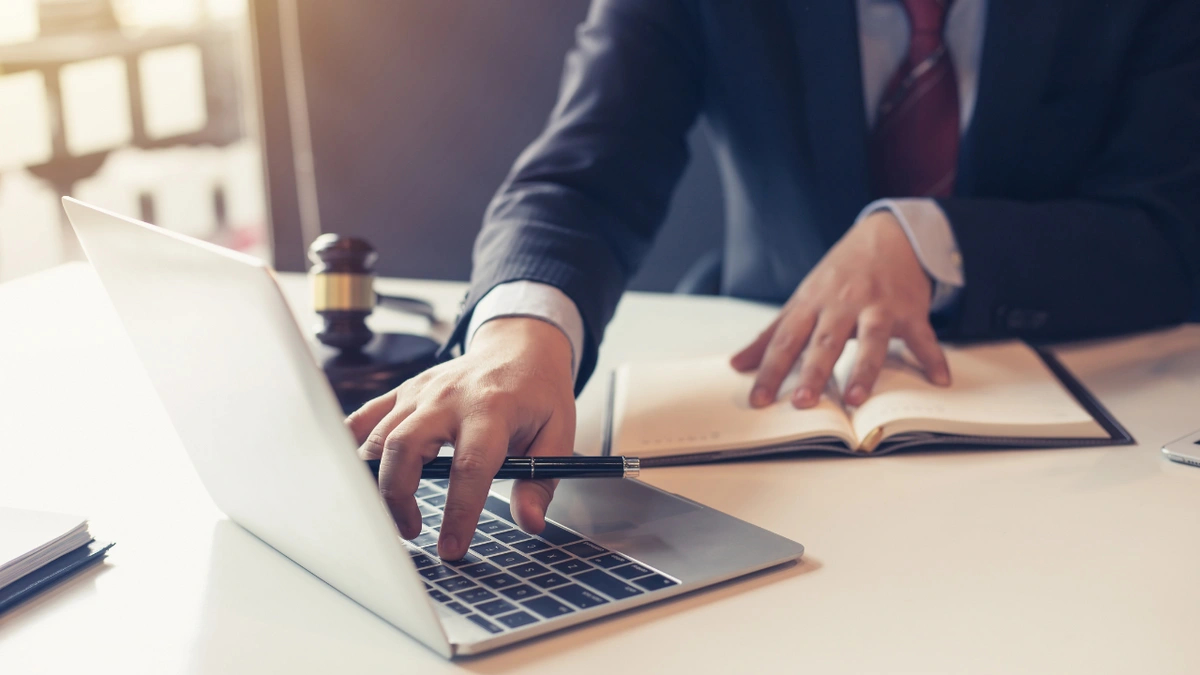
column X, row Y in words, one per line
column 265, row 433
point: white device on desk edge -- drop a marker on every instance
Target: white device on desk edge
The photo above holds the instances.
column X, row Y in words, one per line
column 265, row 433
column 1184, row 450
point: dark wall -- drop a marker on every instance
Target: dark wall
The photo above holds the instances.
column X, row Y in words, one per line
column 419, row 108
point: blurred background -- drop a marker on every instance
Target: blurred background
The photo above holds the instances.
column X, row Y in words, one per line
column 260, row 124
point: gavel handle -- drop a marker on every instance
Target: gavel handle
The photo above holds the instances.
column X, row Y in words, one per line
column 407, row 305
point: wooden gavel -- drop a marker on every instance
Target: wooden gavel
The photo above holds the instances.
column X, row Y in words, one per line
column 361, row 364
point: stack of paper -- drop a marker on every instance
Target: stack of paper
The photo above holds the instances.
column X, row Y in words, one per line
column 38, row 549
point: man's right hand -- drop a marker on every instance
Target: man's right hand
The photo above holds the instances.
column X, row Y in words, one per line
column 511, row 393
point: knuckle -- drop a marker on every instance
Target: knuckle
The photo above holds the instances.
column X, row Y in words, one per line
column 396, row 442
column 824, row 340
column 375, row 441
column 468, row 465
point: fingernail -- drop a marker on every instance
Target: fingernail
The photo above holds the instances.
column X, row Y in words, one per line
column 941, row 378
column 804, row 397
column 760, row 396
column 856, row 395
column 447, row 546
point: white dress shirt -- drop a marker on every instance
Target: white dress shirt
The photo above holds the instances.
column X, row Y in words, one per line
column 883, row 34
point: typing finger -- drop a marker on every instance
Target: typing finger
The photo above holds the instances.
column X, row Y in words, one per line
column 531, row 498
column 752, row 355
column 407, row 448
column 874, row 331
column 922, row 342
column 366, row 418
column 782, row 351
column 479, row 450
column 823, row 350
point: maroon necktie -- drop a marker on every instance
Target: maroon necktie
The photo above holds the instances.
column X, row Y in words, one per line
column 914, row 146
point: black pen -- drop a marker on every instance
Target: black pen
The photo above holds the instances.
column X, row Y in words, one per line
column 541, row 467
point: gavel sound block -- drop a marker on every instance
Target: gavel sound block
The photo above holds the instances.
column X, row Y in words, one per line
column 360, row 365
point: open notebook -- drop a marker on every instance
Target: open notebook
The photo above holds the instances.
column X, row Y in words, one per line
column 1003, row 395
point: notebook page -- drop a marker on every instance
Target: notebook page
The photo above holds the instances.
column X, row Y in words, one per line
column 998, row 389
column 703, row 405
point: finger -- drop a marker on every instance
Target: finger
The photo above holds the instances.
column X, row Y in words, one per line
column 823, row 350
column 373, row 447
column 922, row 342
column 479, row 450
column 752, row 354
column 415, row 441
column 781, row 354
column 530, row 498
column 874, row 331
column 366, row 418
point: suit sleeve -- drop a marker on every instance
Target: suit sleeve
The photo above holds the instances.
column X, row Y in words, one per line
column 584, row 202
column 1123, row 253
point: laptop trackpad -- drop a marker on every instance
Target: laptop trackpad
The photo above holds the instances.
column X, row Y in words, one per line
column 688, row 540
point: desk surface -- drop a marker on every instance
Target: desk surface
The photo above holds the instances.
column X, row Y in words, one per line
column 1013, row 561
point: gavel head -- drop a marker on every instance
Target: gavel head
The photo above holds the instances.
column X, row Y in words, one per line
column 343, row 276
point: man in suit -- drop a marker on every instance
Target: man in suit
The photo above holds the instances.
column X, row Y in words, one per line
column 892, row 168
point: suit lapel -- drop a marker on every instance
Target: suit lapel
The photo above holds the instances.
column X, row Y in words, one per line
column 1017, row 50
column 827, row 43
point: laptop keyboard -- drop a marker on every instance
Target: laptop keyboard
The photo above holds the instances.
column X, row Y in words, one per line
column 511, row 579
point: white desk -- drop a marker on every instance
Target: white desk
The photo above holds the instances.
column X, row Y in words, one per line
column 1022, row 561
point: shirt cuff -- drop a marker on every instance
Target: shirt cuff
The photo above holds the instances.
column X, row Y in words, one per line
column 534, row 300
column 929, row 232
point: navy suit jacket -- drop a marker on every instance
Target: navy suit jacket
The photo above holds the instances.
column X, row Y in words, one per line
column 1077, row 203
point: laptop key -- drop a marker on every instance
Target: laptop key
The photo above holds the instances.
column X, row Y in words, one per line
column 456, row 584
column 435, row 500
column 437, row 572
column 609, row 560
column 572, row 566
column 509, row 559
column 422, row 560
column 431, row 549
column 509, row 536
column 654, row 582
column 499, row 581
column 432, row 520
column 425, row 538
column 578, row 596
column 529, row 569
column 557, row 535
column 427, row 491
column 459, row 607
column 632, row 571
column 485, row 624
column 477, row 595
column 493, row 526
column 608, row 584
column 517, row 619
column 479, row 538
column 441, row 482
column 479, row 570
column 468, row 559
column 584, row 549
column 547, row 606
column 519, row 592
column 495, row 607
column 531, row 546
column 490, row 548
column 551, row 556
column 549, row 580
column 439, row 596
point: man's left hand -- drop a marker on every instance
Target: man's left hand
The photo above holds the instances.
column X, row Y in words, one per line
column 870, row 285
